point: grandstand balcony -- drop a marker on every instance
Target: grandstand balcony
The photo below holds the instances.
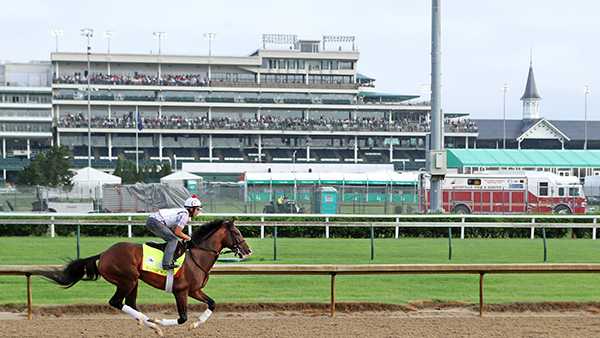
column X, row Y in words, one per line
column 194, row 81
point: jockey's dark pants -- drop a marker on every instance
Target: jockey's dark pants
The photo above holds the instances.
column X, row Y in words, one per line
column 161, row 230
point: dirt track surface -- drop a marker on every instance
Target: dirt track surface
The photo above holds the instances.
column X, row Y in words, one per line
column 446, row 322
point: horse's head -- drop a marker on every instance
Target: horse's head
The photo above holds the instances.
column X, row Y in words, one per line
column 234, row 240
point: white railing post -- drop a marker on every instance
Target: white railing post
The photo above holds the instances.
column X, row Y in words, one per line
column 327, row 227
column 532, row 236
column 262, row 227
column 594, row 229
column 129, row 230
column 397, row 233
column 52, row 230
column 462, row 229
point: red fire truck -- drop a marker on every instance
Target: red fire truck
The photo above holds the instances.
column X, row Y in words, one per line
column 508, row 192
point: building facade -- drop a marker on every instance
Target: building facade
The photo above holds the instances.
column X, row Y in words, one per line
column 25, row 113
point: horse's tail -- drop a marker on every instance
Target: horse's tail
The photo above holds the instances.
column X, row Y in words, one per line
column 76, row 270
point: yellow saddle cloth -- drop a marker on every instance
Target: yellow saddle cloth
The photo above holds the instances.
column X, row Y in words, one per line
column 152, row 261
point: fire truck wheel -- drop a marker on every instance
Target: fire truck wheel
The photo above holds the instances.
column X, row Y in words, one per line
column 461, row 209
column 562, row 210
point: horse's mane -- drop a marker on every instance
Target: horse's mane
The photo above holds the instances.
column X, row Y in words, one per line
column 205, row 229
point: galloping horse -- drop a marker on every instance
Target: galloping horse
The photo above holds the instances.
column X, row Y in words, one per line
column 121, row 265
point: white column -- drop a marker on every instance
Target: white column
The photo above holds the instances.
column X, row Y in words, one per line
column 307, row 153
column 57, row 139
column 210, row 148
column 258, row 114
column 109, row 143
column 4, row 156
column 209, row 114
column 390, row 116
column 466, row 142
column 110, row 111
column 355, row 149
column 391, row 152
column 160, row 147
column 260, row 148
column 28, row 149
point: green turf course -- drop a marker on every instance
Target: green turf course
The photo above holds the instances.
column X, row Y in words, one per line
column 384, row 289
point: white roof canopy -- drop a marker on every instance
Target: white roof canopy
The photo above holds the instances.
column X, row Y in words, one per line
column 179, row 176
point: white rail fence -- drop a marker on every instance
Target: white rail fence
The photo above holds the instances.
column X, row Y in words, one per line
column 532, row 222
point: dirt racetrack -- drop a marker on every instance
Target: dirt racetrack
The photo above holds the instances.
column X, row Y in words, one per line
column 423, row 322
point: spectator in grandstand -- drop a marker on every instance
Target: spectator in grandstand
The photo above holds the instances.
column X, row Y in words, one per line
column 168, row 224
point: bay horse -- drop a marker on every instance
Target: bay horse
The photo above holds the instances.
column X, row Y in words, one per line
column 121, row 265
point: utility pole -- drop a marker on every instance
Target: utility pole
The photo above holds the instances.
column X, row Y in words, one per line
column 436, row 160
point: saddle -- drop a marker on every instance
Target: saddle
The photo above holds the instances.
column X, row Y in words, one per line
column 179, row 251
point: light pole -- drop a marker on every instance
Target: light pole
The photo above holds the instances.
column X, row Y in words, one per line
column 436, row 156
column 108, row 35
column 585, row 106
column 56, row 33
column 159, row 36
column 88, row 33
column 210, row 37
column 504, row 90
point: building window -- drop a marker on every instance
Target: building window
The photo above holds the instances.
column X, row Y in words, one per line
column 561, row 192
column 345, row 64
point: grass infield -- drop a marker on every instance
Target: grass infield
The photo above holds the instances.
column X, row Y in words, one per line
column 375, row 288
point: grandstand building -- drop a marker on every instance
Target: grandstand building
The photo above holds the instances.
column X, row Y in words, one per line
column 290, row 101
column 25, row 112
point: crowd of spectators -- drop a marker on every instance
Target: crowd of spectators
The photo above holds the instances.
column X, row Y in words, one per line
column 128, row 120
column 136, row 78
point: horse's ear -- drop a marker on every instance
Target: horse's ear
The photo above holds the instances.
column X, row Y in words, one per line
column 229, row 222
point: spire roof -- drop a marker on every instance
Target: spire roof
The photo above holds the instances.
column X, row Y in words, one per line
column 531, row 91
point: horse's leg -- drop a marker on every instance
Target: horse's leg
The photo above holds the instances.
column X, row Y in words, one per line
column 181, row 300
column 204, row 298
column 117, row 302
column 131, row 299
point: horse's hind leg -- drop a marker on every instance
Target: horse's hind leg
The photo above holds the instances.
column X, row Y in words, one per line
column 131, row 299
column 125, row 290
column 204, row 298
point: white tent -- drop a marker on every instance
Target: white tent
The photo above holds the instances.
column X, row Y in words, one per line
column 179, row 176
column 93, row 177
column 87, row 182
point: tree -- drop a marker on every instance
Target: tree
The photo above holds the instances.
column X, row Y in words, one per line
column 48, row 169
column 165, row 169
column 127, row 171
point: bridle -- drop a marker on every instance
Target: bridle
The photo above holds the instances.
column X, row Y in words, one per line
column 237, row 244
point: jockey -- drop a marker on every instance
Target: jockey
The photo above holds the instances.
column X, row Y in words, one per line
column 168, row 225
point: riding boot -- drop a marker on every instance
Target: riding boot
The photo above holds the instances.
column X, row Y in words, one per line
column 168, row 262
